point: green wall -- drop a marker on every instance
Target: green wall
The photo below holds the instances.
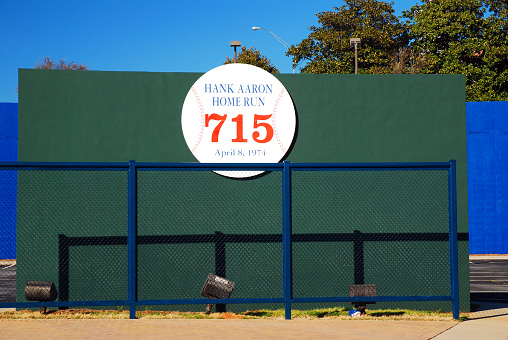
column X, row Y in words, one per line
column 69, row 116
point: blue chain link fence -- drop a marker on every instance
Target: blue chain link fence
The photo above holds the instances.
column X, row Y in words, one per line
column 139, row 234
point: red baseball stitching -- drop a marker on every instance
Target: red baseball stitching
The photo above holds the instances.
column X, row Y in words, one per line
column 202, row 121
column 274, row 120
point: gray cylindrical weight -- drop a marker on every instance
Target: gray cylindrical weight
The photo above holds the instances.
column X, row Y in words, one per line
column 41, row 291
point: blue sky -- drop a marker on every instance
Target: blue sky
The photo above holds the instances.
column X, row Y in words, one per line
column 149, row 36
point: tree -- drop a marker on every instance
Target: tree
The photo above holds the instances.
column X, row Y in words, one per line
column 327, row 48
column 253, row 57
column 49, row 64
column 455, row 37
column 496, row 54
column 406, row 61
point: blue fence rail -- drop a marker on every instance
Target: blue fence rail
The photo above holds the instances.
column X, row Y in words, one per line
column 288, row 237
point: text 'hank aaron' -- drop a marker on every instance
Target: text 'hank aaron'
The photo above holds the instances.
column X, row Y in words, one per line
column 242, row 88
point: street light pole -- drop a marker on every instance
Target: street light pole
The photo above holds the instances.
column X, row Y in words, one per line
column 234, row 44
column 355, row 42
column 285, row 44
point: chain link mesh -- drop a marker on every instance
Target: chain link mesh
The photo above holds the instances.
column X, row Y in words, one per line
column 388, row 228
column 382, row 227
column 8, row 179
column 191, row 223
column 72, row 231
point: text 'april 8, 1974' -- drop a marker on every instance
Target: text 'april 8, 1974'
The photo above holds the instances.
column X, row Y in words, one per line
column 239, row 153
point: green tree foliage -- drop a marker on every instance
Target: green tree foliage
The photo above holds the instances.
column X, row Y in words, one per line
column 327, row 48
column 253, row 57
column 467, row 37
column 47, row 63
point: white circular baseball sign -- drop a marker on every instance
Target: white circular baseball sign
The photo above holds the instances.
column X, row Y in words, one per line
column 238, row 113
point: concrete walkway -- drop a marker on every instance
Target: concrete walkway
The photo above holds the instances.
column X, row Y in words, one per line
column 488, row 324
column 221, row 329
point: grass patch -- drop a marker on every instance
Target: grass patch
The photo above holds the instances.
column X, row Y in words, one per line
column 343, row 313
column 326, row 313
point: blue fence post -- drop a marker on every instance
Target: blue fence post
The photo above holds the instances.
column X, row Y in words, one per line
column 131, row 239
column 287, row 281
column 454, row 263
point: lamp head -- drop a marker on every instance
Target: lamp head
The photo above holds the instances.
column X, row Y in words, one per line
column 354, row 41
column 256, row 28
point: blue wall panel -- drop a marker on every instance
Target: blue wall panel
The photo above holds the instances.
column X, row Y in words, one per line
column 8, row 132
column 487, row 161
column 8, row 179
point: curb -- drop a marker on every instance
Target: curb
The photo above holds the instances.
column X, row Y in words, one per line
column 7, row 262
column 489, row 257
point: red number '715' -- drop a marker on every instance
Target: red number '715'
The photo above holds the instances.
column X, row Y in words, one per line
column 239, row 127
